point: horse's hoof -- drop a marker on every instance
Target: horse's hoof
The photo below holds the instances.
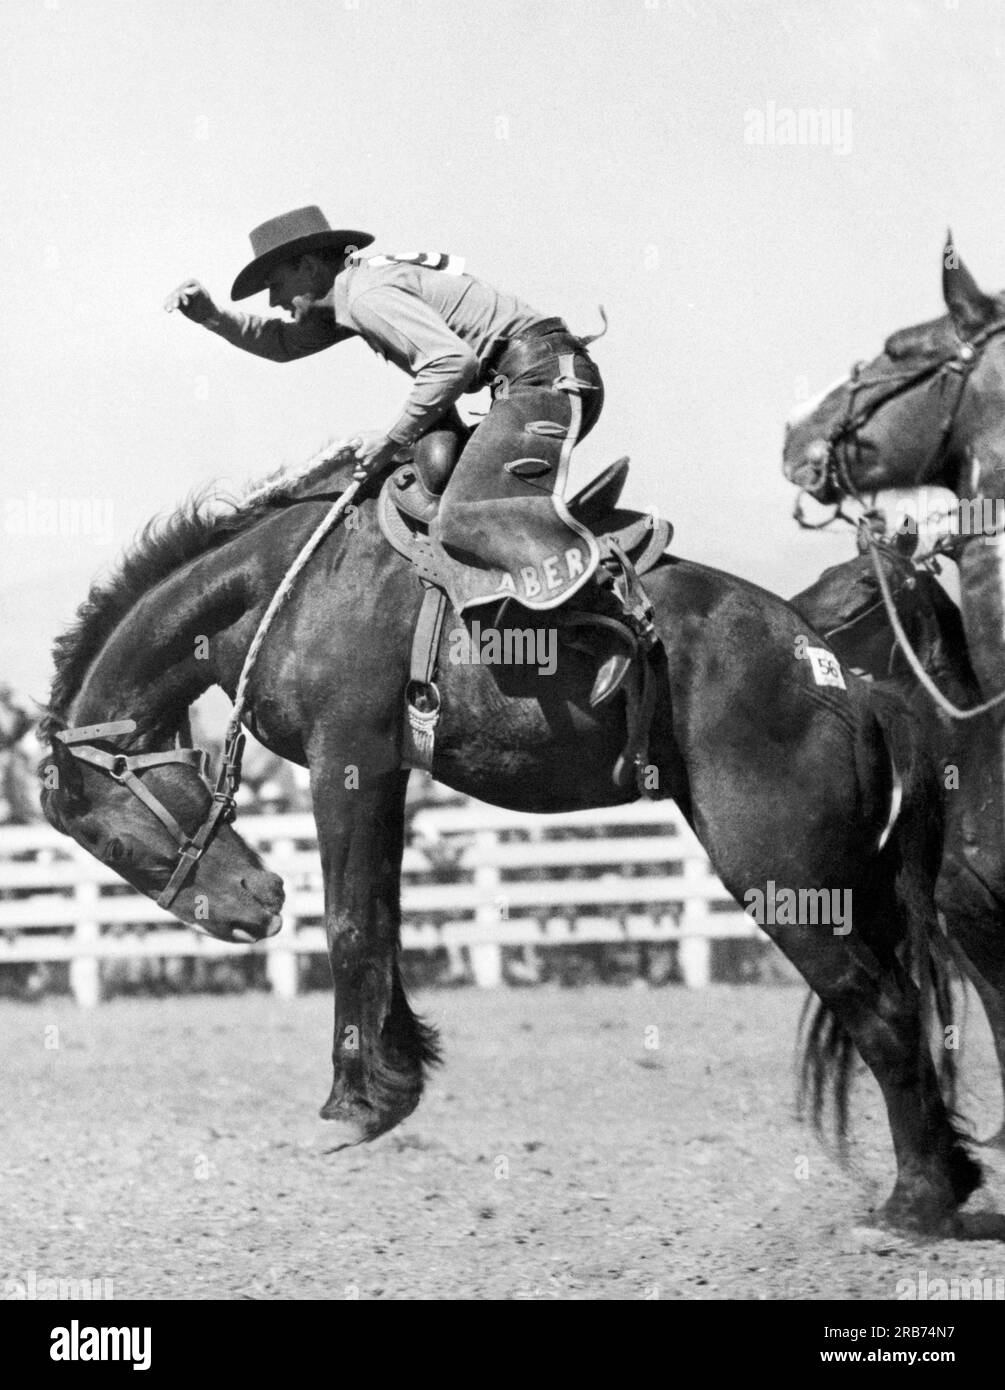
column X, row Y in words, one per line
column 951, row 1225
column 979, row 1225
column 348, row 1125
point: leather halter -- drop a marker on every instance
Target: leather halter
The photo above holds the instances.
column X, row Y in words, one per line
column 122, row 768
column 846, row 431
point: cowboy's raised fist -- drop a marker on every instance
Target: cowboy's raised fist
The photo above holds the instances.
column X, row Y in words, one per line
column 194, row 300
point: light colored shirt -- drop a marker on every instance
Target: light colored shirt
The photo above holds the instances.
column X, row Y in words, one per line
column 439, row 326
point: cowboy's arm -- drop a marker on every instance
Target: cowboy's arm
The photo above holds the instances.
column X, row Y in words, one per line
column 272, row 338
column 415, row 336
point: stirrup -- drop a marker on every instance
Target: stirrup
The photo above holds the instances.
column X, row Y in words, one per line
column 610, row 678
column 615, row 667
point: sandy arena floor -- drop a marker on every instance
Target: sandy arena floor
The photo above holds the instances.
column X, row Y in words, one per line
column 172, row 1147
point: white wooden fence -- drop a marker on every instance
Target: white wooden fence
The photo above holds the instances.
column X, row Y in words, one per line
column 474, row 876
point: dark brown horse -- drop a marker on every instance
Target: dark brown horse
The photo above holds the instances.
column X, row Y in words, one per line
column 846, row 605
column 928, row 412
column 786, row 775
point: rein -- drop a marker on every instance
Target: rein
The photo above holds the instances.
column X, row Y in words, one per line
column 122, row 767
column 903, row 641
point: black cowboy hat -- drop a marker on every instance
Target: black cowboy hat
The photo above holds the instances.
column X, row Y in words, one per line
column 285, row 238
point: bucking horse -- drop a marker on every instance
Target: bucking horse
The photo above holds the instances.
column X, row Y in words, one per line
column 793, row 774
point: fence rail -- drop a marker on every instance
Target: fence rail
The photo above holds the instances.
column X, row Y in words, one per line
column 474, row 877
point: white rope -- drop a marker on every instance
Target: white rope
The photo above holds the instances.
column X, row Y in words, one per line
column 283, row 482
column 334, row 514
column 920, row 673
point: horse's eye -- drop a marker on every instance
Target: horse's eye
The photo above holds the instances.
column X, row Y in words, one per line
column 116, row 852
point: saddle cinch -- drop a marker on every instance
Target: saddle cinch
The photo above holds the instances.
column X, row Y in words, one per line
column 631, row 544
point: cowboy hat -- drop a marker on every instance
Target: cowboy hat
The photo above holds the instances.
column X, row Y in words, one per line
column 285, row 238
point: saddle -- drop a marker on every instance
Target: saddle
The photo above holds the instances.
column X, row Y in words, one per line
column 631, row 543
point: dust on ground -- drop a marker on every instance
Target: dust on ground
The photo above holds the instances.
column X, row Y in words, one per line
column 565, row 1150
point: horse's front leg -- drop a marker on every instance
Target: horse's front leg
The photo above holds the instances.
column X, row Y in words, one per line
column 381, row 1048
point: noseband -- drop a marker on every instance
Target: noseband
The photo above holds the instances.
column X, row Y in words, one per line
column 842, row 440
column 122, row 768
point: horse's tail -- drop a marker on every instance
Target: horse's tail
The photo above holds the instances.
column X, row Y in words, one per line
column 901, row 883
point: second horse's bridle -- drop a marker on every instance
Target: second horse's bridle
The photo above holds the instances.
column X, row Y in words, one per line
column 841, row 441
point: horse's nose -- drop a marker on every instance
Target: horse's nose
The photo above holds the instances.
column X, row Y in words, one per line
column 816, row 453
column 268, row 890
column 815, row 459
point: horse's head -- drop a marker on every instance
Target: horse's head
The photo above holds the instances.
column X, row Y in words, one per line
column 141, row 821
column 901, row 420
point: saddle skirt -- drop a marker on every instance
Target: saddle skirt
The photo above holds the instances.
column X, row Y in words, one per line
column 406, row 512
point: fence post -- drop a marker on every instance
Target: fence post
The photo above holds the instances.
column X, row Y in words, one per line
column 281, row 966
column 695, row 949
column 486, row 957
column 85, row 970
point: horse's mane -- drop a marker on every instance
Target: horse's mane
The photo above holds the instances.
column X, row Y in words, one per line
column 205, row 521
column 920, row 339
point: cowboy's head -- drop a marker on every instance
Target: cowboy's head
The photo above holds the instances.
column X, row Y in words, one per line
column 297, row 256
column 296, row 284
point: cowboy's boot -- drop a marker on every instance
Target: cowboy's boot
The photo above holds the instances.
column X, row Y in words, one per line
column 419, row 483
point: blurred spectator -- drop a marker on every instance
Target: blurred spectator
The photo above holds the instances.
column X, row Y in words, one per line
column 19, row 753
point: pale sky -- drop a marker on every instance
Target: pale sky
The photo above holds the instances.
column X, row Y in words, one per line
column 574, row 151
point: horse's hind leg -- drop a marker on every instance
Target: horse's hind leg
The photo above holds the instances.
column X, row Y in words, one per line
column 380, row 1047
column 880, row 1009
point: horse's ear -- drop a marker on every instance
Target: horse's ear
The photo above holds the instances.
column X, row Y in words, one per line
column 969, row 306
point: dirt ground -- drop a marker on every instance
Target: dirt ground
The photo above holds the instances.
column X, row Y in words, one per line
column 566, row 1150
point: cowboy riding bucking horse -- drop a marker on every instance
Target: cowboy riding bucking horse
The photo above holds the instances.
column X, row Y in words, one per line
column 495, row 491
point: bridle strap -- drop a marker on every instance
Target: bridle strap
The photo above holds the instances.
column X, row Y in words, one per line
column 221, row 811
column 910, row 655
column 122, row 768
column 845, row 433
column 84, row 733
